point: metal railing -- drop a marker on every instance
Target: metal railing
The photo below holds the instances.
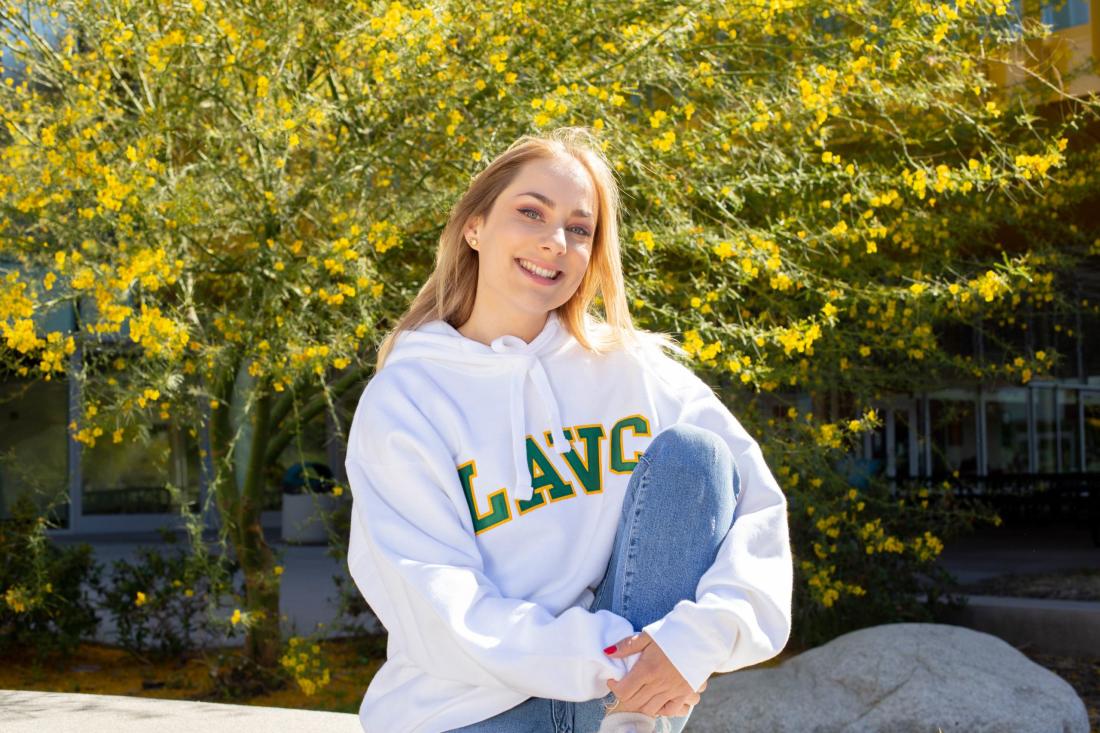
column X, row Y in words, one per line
column 1028, row 498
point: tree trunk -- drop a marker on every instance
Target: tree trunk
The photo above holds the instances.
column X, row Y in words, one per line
column 254, row 554
column 239, row 487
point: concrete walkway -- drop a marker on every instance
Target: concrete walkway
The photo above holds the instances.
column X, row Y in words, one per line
column 999, row 551
column 57, row 712
column 1052, row 626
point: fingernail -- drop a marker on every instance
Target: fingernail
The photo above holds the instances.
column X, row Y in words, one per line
column 610, row 650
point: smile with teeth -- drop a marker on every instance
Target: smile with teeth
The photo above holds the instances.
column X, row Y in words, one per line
column 531, row 267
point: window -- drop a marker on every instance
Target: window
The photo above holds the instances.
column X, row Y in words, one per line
column 34, row 449
column 1006, row 431
column 953, row 431
column 1091, row 400
column 1061, row 14
column 132, row 476
column 1046, row 429
column 1069, row 430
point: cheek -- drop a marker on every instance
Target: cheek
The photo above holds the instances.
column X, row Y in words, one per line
column 584, row 260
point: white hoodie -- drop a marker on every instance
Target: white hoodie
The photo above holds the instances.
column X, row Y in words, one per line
column 478, row 543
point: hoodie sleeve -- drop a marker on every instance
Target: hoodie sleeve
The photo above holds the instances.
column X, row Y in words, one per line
column 741, row 614
column 414, row 558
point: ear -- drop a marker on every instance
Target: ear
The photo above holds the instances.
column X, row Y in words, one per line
column 470, row 231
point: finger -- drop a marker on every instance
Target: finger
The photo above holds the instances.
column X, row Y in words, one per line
column 652, row 706
column 674, row 710
column 630, row 645
column 654, row 697
column 624, row 689
column 669, row 709
column 642, row 700
column 628, row 686
column 678, row 703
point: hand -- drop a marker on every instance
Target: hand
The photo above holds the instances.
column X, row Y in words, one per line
column 653, row 686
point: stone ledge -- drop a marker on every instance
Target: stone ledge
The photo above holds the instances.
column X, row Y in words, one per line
column 1048, row 625
column 60, row 712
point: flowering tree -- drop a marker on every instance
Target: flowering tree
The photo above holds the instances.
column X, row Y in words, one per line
column 241, row 197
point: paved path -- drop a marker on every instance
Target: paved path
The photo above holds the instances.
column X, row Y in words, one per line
column 58, row 712
column 998, row 551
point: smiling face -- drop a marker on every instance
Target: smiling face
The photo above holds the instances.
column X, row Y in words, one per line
column 533, row 248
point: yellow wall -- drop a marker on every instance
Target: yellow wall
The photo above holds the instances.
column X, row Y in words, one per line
column 1064, row 50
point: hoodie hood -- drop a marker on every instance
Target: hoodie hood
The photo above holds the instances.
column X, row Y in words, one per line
column 439, row 342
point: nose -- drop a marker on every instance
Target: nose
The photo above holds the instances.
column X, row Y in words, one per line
column 556, row 244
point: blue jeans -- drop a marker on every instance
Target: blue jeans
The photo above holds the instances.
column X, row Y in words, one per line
column 677, row 510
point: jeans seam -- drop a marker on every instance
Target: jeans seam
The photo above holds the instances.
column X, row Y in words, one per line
column 627, row 570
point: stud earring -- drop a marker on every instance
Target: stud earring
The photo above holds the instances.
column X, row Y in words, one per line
column 473, row 243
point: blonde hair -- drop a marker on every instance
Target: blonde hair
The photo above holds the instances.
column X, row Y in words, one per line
column 449, row 292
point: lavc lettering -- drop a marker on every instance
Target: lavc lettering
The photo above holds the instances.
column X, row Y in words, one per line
column 584, row 460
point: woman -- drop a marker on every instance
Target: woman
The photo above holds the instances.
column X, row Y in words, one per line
column 550, row 513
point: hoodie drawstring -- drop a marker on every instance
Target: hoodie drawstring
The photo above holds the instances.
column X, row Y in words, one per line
column 530, row 365
column 439, row 341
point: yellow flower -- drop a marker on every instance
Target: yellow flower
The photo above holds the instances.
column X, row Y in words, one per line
column 139, row 599
column 278, row 570
column 236, row 617
column 16, row 599
column 646, row 238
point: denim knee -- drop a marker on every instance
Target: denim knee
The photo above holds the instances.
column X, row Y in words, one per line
column 696, row 446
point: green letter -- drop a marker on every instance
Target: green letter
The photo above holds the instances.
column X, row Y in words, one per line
column 589, row 472
column 498, row 502
column 640, row 426
column 547, row 476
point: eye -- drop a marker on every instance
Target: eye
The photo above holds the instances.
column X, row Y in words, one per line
column 582, row 231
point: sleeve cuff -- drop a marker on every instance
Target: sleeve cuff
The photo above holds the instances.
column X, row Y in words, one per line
column 687, row 640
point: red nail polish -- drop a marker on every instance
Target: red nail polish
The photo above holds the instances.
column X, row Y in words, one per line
column 610, row 650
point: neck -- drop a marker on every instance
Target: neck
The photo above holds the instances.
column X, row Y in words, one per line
column 485, row 329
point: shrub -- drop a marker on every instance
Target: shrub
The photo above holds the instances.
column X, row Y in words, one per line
column 158, row 602
column 304, row 661
column 354, row 614
column 45, row 589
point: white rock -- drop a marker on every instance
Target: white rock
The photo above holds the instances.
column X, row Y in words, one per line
column 896, row 678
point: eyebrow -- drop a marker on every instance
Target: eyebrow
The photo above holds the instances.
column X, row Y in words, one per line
column 551, row 204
